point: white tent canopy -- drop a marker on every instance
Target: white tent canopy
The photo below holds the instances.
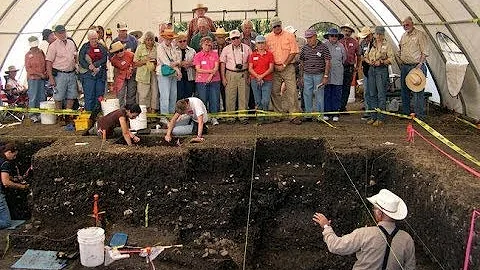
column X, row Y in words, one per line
column 455, row 22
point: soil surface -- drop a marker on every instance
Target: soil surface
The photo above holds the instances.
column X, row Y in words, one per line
column 272, row 177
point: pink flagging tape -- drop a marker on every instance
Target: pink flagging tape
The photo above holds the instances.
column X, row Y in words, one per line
column 410, row 135
column 468, row 248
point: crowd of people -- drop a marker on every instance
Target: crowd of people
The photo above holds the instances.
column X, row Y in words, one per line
column 225, row 70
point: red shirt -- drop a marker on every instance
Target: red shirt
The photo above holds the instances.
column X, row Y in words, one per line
column 95, row 53
column 261, row 63
column 352, row 48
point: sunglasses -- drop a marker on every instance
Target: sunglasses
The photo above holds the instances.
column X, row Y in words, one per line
column 234, row 38
column 276, row 26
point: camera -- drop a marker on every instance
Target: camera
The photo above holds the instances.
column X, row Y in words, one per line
column 239, row 66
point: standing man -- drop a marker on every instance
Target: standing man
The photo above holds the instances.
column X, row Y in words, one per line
column 47, row 38
column 36, row 75
column 377, row 247
column 61, row 66
column 366, row 35
column 351, row 64
column 315, row 67
column 284, row 48
column 203, row 31
column 413, row 51
column 234, row 71
column 199, row 11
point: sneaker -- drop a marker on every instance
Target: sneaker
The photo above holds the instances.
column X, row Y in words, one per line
column 34, row 119
column 377, row 123
column 326, row 118
column 164, row 121
column 365, row 117
column 371, row 121
column 335, row 119
column 214, row 121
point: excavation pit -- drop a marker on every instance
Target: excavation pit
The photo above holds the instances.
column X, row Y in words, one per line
column 198, row 195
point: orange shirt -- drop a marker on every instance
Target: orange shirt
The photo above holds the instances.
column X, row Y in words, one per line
column 281, row 45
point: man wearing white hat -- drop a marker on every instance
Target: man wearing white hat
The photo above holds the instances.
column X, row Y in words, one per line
column 36, row 75
column 377, row 247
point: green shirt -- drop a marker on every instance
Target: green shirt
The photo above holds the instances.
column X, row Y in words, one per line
column 143, row 73
column 195, row 42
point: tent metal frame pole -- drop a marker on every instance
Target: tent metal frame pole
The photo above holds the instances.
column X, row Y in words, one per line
column 21, row 29
column 75, row 12
column 469, row 10
column 345, row 14
column 94, row 21
column 363, row 12
column 7, row 10
column 354, row 15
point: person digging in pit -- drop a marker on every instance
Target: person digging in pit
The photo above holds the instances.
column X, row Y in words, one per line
column 117, row 122
column 7, row 154
column 189, row 118
column 377, row 247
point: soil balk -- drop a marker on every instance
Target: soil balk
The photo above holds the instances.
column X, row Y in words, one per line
column 201, row 195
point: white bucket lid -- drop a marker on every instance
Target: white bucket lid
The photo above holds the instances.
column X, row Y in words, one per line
column 90, row 232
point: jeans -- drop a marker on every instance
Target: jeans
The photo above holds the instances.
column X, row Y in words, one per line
column 93, row 88
column 377, row 90
column 36, row 93
column 418, row 97
column 313, row 96
column 5, row 219
column 183, row 126
column 185, row 88
column 209, row 93
column 333, row 98
column 167, row 88
column 128, row 92
column 261, row 94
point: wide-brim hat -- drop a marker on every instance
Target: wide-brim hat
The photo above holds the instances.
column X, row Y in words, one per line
column 348, row 26
column 390, row 204
column 117, row 46
column 221, row 32
column 364, row 32
column 200, row 6
column 416, row 80
column 10, row 69
column 333, row 31
column 168, row 34
column 137, row 34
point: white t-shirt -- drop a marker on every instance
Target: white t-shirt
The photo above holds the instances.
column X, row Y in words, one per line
column 197, row 108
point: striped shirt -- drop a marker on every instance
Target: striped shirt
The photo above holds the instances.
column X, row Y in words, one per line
column 313, row 58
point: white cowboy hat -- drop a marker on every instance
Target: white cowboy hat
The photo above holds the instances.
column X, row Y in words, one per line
column 348, row 26
column 390, row 204
column 200, row 6
column 365, row 32
column 416, row 80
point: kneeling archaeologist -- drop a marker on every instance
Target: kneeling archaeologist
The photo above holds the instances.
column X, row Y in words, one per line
column 107, row 126
column 377, row 247
column 189, row 118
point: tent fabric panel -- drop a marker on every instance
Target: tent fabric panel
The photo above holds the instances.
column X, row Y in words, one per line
column 70, row 12
column 88, row 20
column 76, row 19
column 17, row 17
column 7, row 41
column 110, row 12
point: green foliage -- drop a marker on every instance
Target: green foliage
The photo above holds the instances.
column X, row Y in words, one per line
column 322, row 28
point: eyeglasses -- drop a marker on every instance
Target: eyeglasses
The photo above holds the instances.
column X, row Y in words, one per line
column 276, row 26
column 234, row 38
column 181, row 41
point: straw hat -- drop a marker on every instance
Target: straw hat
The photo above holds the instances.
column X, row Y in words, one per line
column 416, row 80
column 348, row 26
column 220, row 32
column 168, row 34
column 117, row 46
column 365, row 32
column 390, row 204
column 10, row 69
column 137, row 34
column 200, row 6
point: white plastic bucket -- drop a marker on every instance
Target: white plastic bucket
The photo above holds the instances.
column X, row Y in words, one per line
column 48, row 118
column 91, row 243
column 140, row 122
column 110, row 105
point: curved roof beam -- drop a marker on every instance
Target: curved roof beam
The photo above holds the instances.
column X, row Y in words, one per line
column 363, row 12
column 354, row 15
column 75, row 12
column 85, row 17
column 344, row 13
column 96, row 18
column 469, row 10
column 7, row 10
column 21, row 29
